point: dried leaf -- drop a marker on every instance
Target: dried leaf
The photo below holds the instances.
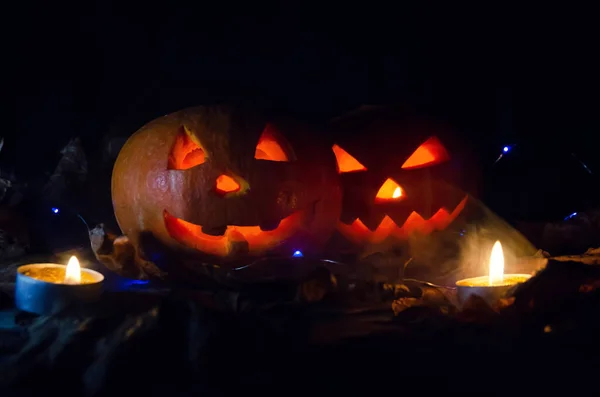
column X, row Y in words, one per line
column 400, row 305
column 590, row 286
column 401, row 291
column 119, row 255
column 433, row 296
column 317, row 286
column 593, row 251
column 70, row 171
column 503, row 303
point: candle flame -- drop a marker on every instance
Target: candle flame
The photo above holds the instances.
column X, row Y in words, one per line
column 73, row 273
column 496, row 264
column 397, row 192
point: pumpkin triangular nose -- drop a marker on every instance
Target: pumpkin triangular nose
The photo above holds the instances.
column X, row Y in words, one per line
column 226, row 184
column 390, row 190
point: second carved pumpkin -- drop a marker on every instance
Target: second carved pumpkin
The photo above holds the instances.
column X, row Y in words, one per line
column 400, row 176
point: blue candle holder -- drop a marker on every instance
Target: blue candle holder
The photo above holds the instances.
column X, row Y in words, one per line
column 44, row 297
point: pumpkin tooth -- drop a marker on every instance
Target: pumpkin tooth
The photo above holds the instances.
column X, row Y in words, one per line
column 268, row 226
column 214, row 230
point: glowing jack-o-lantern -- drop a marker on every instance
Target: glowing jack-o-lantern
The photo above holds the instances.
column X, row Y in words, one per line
column 224, row 184
column 398, row 175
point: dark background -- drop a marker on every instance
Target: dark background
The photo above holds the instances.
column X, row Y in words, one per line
column 499, row 75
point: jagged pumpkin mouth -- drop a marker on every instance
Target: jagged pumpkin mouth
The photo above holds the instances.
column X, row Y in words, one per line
column 357, row 232
column 252, row 238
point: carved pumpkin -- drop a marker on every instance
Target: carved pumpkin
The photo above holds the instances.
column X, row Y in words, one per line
column 399, row 177
column 225, row 184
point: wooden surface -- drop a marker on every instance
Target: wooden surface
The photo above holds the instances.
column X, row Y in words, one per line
column 272, row 336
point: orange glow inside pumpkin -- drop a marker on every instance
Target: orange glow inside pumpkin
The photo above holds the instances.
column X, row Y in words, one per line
column 259, row 241
column 268, row 148
column 358, row 233
column 429, row 153
column 185, row 153
column 390, row 190
column 226, row 184
column 345, row 161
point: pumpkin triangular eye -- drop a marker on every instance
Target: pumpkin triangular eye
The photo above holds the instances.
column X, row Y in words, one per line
column 346, row 162
column 268, row 147
column 185, row 152
column 429, row 153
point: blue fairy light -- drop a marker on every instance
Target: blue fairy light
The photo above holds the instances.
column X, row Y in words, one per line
column 56, row 211
column 505, row 150
column 297, row 254
column 137, row 282
column 574, row 214
column 123, row 284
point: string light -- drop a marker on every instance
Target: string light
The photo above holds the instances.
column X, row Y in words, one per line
column 56, row 211
column 574, row 214
column 505, row 150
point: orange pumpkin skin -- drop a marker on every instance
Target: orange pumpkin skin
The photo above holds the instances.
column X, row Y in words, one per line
column 400, row 176
column 224, row 184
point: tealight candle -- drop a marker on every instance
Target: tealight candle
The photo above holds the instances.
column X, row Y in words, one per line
column 493, row 286
column 43, row 288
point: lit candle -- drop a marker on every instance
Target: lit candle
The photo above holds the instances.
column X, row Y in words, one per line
column 42, row 288
column 73, row 272
column 496, row 264
column 493, row 286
